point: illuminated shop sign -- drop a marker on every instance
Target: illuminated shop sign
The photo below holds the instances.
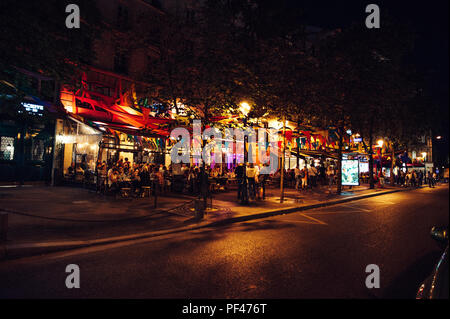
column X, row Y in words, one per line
column 33, row 108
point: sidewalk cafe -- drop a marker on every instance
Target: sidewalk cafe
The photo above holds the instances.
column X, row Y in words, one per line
column 115, row 137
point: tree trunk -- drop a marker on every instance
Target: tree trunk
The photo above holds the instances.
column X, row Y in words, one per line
column 392, row 163
column 371, row 181
column 339, row 170
column 205, row 186
column 282, row 162
column 20, row 157
column 406, row 164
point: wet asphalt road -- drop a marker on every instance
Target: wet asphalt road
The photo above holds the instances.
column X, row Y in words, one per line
column 319, row 253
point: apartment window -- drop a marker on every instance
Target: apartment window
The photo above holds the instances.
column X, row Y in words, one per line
column 120, row 62
column 190, row 16
column 122, row 17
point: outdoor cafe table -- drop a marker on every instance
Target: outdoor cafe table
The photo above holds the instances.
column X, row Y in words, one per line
column 221, row 181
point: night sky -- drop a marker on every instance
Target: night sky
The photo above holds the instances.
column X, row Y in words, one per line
column 427, row 20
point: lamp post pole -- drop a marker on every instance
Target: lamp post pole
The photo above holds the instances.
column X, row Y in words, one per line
column 244, row 194
column 392, row 163
column 245, row 109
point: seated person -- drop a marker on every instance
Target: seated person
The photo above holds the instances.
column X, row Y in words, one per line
column 113, row 181
column 79, row 171
column 136, row 181
column 145, row 176
column 71, row 170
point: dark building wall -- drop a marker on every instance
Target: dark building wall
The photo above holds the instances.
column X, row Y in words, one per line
column 26, row 152
column 121, row 18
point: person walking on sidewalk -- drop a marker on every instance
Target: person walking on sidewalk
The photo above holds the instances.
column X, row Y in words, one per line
column 330, row 177
column 420, row 178
column 239, row 171
column 430, row 180
column 312, row 173
column 298, row 178
column 396, row 175
column 262, row 179
column 304, row 177
column 251, row 179
column 381, row 178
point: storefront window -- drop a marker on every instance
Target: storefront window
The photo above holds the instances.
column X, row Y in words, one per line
column 7, row 148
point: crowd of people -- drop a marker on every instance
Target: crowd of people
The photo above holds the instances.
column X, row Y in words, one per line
column 123, row 174
column 135, row 176
column 403, row 178
column 302, row 179
column 414, row 178
column 113, row 177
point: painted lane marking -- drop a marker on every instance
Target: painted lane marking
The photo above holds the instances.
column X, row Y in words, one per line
column 314, row 219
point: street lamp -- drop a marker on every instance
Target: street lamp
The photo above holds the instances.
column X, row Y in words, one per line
column 245, row 108
column 275, row 124
column 380, row 143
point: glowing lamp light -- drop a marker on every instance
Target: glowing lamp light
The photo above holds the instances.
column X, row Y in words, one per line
column 424, row 154
column 438, row 137
column 275, row 124
column 68, row 106
column 245, row 108
column 380, row 143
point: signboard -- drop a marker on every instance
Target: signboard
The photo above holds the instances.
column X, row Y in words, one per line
column 363, row 167
column 32, row 108
column 350, row 172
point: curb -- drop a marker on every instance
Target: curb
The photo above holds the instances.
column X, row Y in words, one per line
column 31, row 249
column 299, row 208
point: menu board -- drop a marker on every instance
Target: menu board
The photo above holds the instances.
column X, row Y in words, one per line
column 350, row 172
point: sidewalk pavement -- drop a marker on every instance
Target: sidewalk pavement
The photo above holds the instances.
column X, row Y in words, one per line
column 43, row 219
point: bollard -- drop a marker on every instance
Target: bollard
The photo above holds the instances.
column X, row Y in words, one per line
column 199, row 208
column 3, row 226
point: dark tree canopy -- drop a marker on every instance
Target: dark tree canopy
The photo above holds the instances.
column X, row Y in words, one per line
column 34, row 37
